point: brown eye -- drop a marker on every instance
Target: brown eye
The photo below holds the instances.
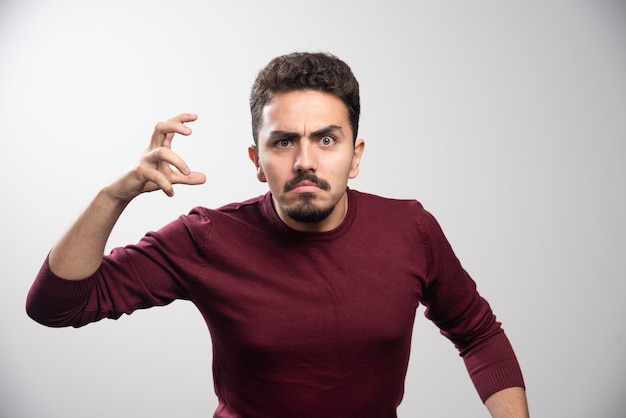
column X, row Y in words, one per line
column 283, row 143
column 327, row 141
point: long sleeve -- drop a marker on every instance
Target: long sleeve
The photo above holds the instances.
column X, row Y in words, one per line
column 153, row 272
column 463, row 316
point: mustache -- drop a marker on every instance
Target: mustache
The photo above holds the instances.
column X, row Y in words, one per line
column 306, row 176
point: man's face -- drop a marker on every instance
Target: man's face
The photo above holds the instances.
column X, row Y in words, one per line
column 306, row 154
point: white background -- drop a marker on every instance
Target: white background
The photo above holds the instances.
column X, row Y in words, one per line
column 506, row 119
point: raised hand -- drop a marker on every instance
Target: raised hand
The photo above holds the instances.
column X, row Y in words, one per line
column 158, row 167
column 79, row 251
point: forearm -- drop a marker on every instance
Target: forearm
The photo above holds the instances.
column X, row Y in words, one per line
column 508, row 403
column 78, row 254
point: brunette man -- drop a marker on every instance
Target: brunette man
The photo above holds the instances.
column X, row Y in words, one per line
column 310, row 291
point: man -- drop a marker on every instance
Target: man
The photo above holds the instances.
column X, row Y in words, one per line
column 310, row 291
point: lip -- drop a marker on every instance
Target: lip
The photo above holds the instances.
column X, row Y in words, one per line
column 306, row 187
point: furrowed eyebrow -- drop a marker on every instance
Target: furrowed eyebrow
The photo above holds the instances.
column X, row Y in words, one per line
column 276, row 135
column 284, row 135
column 327, row 130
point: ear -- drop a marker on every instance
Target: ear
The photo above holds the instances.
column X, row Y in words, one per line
column 253, row 154
column 359, row 148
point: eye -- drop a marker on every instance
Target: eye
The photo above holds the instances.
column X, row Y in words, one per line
column 283, row 143
column 327, row 141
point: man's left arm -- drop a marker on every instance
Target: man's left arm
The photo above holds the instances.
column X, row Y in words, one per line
column 463, row 316
column 508, row 403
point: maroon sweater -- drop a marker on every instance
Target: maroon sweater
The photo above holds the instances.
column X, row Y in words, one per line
column 302, row 324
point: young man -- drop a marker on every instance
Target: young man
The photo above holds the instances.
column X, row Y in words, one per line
column 310, row 291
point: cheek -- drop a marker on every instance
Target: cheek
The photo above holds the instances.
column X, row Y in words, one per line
column 340, row 168
column 273, row 173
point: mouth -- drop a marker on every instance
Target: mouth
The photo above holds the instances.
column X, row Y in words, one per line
column 306, row 187
column 306, row 183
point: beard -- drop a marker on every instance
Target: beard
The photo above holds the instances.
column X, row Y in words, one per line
column 306, row 210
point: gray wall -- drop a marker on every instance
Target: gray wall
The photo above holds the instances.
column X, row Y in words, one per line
column 507, row 120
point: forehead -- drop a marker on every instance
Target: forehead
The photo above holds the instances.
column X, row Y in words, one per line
column 303, row 109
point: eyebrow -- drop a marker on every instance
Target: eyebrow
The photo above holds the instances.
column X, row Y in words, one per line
column 294, row 135
column 327, row 130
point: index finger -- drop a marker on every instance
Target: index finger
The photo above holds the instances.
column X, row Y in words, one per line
column 164, row 131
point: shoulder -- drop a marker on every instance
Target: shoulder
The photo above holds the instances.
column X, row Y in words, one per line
column 249, row 204
column 404, row 212
column 202, row 223
column 368, row 201
column 201, row 214
column 232, row 215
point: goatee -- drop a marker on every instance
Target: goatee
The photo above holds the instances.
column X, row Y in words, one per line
column 306, row 211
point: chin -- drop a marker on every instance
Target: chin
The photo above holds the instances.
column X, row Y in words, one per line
column 308, row 213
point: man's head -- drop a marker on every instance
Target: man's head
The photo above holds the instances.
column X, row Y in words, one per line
column 305, row 71
column 305, row 110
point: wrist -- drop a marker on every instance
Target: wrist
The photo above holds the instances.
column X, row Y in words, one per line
column 111, row 198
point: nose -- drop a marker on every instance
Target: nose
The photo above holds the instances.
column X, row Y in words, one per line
column 306, row 158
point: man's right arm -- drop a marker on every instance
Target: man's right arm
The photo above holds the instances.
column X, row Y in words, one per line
column 78, row 254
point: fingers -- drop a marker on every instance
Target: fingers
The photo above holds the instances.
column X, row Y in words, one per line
column 166, row 183
column 164, row 131
column 155, row 180
column 157, row 169
column 164, row 157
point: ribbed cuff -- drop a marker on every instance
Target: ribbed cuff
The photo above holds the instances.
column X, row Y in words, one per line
column 55, row 286
column 496, row 380
column 51, row 297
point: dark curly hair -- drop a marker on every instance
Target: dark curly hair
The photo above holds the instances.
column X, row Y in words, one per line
column 305, row 71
